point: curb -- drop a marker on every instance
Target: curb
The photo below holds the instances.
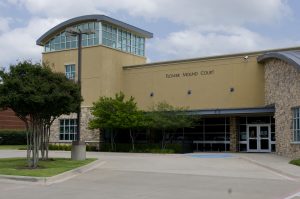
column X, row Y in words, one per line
column 57, row 178
column 284, row 174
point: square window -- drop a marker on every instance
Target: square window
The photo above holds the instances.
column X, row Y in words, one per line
column 62, row 45
column 90, row 42
column 68, row 45
column 91, row 25
column 243, row 136
column 70, row 71
column 73, row 44
column 96, row 41
column 84, row 42
column 97, row 25
column 67, row 129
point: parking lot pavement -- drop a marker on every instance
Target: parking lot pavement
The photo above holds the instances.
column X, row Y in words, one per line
column 273, row 162
column 139, row 176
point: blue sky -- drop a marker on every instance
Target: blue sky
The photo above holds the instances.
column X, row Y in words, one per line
column 182, row 28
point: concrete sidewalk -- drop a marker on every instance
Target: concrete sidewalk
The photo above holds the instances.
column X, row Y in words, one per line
column 273, row 162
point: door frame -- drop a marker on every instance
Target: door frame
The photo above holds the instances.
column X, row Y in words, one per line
column 259, row 150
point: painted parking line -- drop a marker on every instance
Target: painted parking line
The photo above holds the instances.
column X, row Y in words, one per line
column 211, row 156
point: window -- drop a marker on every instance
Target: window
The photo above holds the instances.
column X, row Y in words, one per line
column 67, row 129
column 70, row 71
column 108, row 34
column 296, row 124
column 61, row 41
column 121, row 39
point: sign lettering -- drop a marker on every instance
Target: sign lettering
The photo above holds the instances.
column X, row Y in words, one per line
column 190, row 74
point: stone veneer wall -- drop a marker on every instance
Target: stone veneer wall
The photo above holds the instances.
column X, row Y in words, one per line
column 86, row 134
column 282, row 88
column 234, row 137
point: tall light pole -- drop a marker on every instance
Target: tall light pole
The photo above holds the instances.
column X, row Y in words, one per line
column 78, row 146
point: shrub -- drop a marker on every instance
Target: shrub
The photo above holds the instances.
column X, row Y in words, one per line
column 91, row 148
column 142, row 148
column 11, row 137
column 60, row 147
column 68, row 147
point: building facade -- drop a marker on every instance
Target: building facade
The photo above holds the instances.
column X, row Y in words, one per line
column 246, row 102
column 9, row 121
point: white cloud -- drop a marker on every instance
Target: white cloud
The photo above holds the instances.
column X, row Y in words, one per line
column 19, row 43
column 209, row 26
column 188, row 12
column 200, row 42
column 4, row 24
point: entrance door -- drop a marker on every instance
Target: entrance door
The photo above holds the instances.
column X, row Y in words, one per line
column 259, row 138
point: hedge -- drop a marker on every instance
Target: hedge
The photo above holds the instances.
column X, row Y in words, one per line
column 142, row 148
column 68, row 147
column 10, row 137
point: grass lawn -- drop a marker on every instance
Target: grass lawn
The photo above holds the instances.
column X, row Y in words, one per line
column 17, row 166
column 9, row 147
column 295, row 162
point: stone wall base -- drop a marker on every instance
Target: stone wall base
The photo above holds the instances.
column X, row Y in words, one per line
column 90, row 136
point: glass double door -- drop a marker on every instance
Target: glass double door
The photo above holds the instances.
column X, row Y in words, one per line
column 259, row 138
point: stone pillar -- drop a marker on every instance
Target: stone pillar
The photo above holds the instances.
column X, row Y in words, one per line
column 234, row 138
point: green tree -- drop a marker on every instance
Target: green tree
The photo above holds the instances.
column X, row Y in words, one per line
column 164, row 116
column 37, row 96
column 117, row 113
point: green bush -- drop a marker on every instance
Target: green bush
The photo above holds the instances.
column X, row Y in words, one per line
column 10, row 137
column 60, row 147
column 68, row 147
column 142, row 148
column 91, row 148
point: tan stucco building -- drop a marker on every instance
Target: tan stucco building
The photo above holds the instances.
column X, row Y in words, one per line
column 247, row 102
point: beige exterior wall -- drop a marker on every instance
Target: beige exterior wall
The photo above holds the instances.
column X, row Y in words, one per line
column 209, row 80
column 282, row 90
column 101, row 76
column 101, row 69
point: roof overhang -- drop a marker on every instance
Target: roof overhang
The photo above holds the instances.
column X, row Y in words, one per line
column 233, row 111
column 291, row 57
column 60, row 27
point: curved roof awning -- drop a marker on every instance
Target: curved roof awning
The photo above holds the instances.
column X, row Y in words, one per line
column 291, row 57
column 60, row 27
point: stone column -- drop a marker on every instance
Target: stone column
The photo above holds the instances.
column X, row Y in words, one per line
column 234, row 138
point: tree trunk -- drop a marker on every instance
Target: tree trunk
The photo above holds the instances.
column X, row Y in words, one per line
column 163, row 139
column 112, row 140
column 36, row 141
column 47, row 141
column 132, row 139
column 42, row 148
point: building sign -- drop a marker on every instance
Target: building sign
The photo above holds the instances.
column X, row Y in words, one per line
column 190, row 74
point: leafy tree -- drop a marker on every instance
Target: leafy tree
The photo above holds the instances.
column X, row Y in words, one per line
column 38, row 96
column 117, row 113
column 164, row 116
